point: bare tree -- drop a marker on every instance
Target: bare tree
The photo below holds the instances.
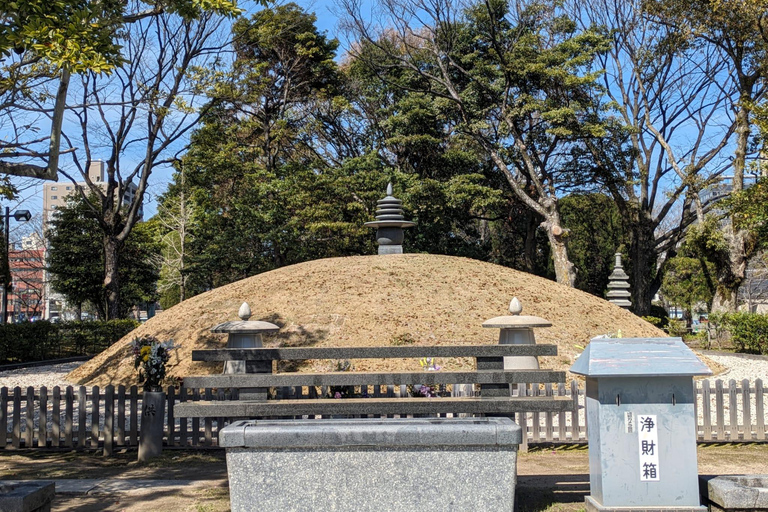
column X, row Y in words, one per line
column 138, row 118
column 670, row 125
column 175, row 216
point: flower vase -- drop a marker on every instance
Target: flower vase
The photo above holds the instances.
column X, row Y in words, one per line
column 152, row 423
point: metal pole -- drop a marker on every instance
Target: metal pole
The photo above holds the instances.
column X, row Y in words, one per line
column 7, row 273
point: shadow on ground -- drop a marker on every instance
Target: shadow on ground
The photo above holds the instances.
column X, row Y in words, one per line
column 208, row 499
column 552, row 493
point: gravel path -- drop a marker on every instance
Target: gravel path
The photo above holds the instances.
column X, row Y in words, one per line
column 740, row 366
column 38, row 376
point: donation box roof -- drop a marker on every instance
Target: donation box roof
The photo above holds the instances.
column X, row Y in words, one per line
column 638, row 357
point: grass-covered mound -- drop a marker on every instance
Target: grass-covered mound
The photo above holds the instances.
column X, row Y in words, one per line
column 374, row 301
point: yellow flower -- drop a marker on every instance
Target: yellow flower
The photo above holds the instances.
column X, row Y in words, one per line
column 145, row 350
column 145, row 358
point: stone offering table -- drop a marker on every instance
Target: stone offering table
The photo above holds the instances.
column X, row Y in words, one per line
column 466, row 464
column 396, row 463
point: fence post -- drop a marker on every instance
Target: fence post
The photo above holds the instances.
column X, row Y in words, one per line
column 4, row 416
column 719, row 410
column 734, row 413
column 42, row 424
column 95, row 414
column 82, row 397
column 109, row 407
column 575, row 429
column 30, row 415
column 706, row 407
column 171, row 432
column 69, row 401
column 760, row 410
column 134, row 406
column 746, row 410
column 56, row 423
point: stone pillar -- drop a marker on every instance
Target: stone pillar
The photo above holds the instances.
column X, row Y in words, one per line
column 618, row 285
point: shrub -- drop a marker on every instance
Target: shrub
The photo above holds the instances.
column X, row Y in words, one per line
column 749, row 331
column 39, row 341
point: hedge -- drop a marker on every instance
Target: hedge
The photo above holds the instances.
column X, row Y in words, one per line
column 749, row 331
column 42, row 340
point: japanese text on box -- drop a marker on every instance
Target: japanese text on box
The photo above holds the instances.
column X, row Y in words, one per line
column 648, row 446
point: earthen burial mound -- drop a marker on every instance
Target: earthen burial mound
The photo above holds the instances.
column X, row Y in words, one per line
column 374, row 301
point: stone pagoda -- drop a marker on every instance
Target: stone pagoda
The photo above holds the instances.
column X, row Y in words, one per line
column 618, row 285
column 390, row 224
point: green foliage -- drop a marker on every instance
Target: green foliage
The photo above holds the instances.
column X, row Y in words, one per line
column 685, row 284
column 749, row 331
column 595, row 234
column 42, row 340
column 659, row 316
column 83, row 35
column 749, row 210
column 76, row 259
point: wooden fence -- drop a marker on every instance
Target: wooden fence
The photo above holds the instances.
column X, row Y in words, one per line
column 110, row 418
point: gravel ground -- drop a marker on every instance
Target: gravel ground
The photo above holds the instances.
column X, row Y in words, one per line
column 740, row 366
column 48, row 376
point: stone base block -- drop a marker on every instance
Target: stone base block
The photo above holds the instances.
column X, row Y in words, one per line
column 593, row 506
column 390, row 249
column 26, row 496
column 735, row 492
column 366, row 465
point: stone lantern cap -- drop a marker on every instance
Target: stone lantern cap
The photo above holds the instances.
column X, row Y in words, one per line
column 516, row 320
column 245, row 326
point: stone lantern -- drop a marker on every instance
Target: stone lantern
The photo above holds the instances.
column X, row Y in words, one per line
column 390, row 224
column 245, row 333
column 517, row 329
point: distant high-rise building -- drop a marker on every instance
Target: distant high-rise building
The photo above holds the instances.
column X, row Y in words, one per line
column 55, row 195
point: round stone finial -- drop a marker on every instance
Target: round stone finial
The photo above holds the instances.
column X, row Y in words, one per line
column 389, row 188
column 515, row 307
column 245, row 311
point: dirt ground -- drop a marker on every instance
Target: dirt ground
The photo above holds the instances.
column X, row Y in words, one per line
column 550, row 479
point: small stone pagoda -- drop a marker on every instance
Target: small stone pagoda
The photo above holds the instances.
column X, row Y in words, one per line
column 618, row 285
column 390, row 224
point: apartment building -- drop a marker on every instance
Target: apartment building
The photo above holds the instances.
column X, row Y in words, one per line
column 55, row 195
column 26, row 300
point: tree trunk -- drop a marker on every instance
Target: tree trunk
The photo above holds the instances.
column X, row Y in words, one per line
column 642, row 258
column 565, row 272
column 112, row 249
column 529, row 251
column 733, row 273
column 729, row 279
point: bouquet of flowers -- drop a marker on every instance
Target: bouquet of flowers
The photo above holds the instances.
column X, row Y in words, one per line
column 150, row 356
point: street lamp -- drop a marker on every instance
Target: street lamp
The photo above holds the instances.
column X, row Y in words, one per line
column 19, row 215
